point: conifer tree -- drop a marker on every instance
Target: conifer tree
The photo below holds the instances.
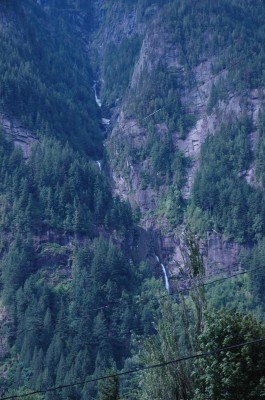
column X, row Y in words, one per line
column 109, row 388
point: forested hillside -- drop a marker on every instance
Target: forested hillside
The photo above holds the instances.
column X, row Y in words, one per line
column 132, row 208
column 57, row 214
column 45, row 78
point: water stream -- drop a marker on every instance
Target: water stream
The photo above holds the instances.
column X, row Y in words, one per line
column 166, row 278
column 165, row 274
column 99, row 165
column 105, row 121
column 98, row 101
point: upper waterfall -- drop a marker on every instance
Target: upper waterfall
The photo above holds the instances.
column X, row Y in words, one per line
column 165, row 274
column 98, row 101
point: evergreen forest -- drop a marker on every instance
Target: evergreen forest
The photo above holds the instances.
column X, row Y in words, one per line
column 95, row 300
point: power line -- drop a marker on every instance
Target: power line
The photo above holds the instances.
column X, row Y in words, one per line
column 165, row 295
column 133, row 331
column 192, row 288
column 140, row 369
column 220, row 279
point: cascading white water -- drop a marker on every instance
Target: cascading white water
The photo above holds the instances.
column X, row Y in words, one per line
column 166, row 278
column 165, row 274
column 106, row 121
column 98, row 101
column 99, row 165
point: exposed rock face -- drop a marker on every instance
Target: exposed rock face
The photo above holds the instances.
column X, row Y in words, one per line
column 19, row 135
column 220, row 254
column 121, row 23
column 159, row 48
column 156, row 49
column 234, row 107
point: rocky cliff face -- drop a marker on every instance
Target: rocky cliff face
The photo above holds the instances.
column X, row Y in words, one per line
column 13, row 128
column 22, row 137
column 114, row 23
column 159, row 47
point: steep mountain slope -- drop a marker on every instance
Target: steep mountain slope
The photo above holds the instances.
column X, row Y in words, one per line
column 63, row 234
column 182, row 85
column 40, row 61
column 195, row 81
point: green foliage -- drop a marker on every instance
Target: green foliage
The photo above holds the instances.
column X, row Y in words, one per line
column 20, row 394
column 56, row 188
column 174, row 381
column 161, row 89
column 147, row 8
column 71, row 330
column 229, row 30
column 40, row 83
column 228, row 33
column 255, row 260
column 220, row 189
column 161, row 161
column 260, row 150
column 109, row 389
column 213, row 99
column 232, row 295
column 171, row 207
column 230, row 374
column 117, row 68
column 166, row 161
column 17, row 265
column 56, row 333
column 236, row 373
column 66, row 336
column 162, row 164
column 178, row 324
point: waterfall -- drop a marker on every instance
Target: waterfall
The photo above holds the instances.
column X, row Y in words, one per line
column 165, row 274
column 166, row 278
column 99, row 165
column 98, row 101
column 106, row 121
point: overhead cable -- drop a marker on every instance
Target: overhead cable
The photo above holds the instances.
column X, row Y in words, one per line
column 140, row 369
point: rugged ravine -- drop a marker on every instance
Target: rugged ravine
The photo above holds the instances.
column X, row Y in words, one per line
column 220, row 254
column 159, row 46
column 147, row 233
column 106, row 122
column 101, row 246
